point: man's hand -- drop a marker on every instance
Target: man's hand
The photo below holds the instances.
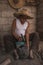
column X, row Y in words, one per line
column 27, row 45
column 19, row 39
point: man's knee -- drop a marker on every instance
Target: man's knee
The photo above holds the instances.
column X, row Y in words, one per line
column 35, row 40
column 8, row 42
column 36, row 37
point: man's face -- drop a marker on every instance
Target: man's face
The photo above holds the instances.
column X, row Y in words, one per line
column 23, row 19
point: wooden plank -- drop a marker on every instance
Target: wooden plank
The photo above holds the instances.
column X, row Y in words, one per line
column 6, row 62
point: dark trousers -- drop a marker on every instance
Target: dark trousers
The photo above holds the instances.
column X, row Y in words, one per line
column 34, row 38
column 10, row 41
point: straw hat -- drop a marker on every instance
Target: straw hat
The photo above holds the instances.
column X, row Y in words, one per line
column 16, row 3
column 23, row 12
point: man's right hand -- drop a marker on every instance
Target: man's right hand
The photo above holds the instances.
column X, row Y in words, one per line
column 19, row 39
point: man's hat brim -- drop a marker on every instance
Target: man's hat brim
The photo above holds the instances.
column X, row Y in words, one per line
column 18, row 15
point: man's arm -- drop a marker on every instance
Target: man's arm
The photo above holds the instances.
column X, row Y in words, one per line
column 13, row 29
column 27, row 36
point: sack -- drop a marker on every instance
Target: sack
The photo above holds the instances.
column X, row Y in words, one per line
column 23, row 52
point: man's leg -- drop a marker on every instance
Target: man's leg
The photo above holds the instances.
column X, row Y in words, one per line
column 34, row 38
column 10, row 44
column 35, row 41
column 15, row 54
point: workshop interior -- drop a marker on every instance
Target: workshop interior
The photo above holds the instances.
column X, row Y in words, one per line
column 7, row 10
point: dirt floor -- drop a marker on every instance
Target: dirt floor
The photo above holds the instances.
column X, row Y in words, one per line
column 7, row 59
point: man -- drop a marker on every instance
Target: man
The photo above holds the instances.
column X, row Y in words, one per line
column 20, row 26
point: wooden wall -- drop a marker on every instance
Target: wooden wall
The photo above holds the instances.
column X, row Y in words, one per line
column 6, row 18
column 40, row 19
